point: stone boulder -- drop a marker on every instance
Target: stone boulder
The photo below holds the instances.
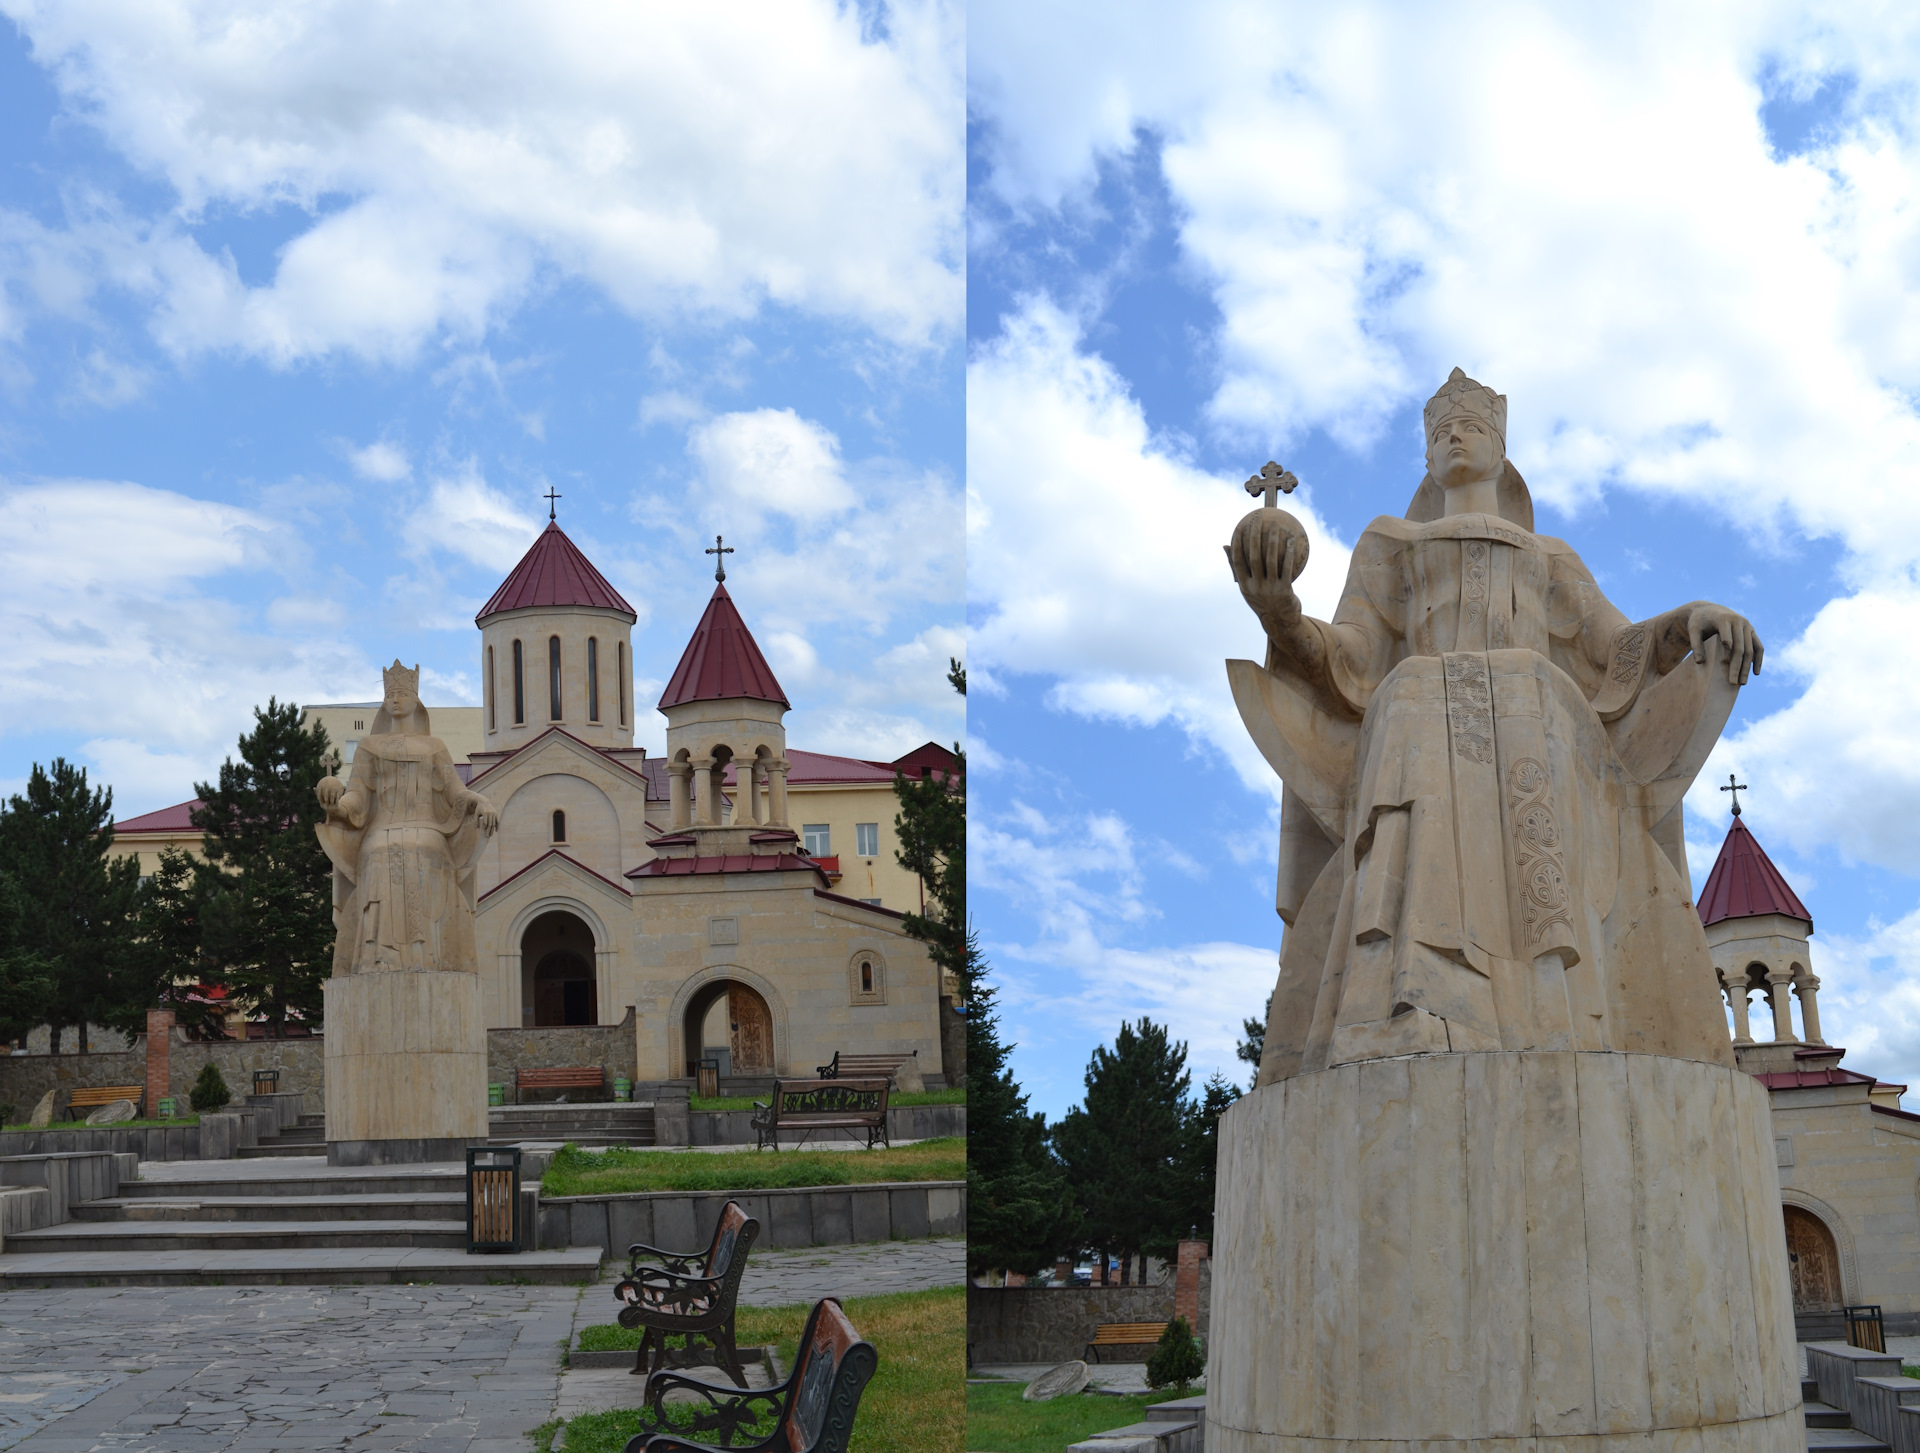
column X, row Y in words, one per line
column 43, row 1112
column 113, row 1113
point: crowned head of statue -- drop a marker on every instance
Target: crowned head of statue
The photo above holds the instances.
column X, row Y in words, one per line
column 402, row 692
column 1466, row 432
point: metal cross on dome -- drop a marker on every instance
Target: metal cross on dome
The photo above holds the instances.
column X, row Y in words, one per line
column 1736, row 788
column 720, row 551
column 550, row 496
column 1270, row 481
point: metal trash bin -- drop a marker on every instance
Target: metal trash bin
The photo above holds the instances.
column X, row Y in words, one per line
column 165, row 1109
column 707, row 1078
column 493, row 1198
column 496, row 1094
column 266, row 1082
column 1865, row 1329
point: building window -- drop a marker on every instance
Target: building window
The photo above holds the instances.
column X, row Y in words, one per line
column 866, row 839
column 593, row 678
column 346, row 752
column 359, row 726
column 553, row 678
column 818, row 839
column 519, row 687
column 493, row 724
column 559, row 826
column 873, row 902
column 867, row 978
column 621, row 684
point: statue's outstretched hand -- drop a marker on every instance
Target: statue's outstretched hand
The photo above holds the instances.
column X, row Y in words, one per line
column 1267, row 552
column 484, row 814
column 329, row 789
column 1743, row 649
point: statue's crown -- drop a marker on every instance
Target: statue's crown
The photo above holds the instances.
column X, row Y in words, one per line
column 1462, row 395
column 398, row 675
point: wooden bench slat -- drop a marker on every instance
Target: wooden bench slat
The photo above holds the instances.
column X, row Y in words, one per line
column 107, row 1094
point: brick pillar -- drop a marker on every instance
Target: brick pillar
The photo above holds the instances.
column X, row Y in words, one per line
column 1063, row 1272
column 1186, row 1282
column 159, row 1040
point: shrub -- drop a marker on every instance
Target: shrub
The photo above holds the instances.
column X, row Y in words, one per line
column 1176, row 1358
column 210, row 1091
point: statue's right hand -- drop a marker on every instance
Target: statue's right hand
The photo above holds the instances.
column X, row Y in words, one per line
column 329, row 790
column 1269, row 549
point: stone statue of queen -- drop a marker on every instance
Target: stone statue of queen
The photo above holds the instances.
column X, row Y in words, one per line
column 1481, row 842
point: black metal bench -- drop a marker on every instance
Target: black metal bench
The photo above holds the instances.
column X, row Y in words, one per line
column 812, row 1411
column 689, row 1293
column 810, row 1105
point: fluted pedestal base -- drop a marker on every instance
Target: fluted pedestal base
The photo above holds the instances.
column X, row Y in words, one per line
column 1513, row 1250
column 406, row 1067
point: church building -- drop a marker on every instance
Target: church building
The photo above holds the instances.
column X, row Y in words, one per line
column 1848, row 1154
column 741, row 896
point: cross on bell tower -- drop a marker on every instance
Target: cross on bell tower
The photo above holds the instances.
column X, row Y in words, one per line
column 720, row 551
column 1736, row 788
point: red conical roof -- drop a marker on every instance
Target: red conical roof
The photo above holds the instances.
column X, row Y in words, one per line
column 722, row 661
column 553, row 572
column 1745, row 884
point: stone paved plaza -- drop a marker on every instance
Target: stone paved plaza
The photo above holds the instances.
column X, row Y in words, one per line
column 432, row 1369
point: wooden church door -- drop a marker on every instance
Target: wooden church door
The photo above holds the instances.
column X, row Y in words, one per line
column 750, row 1027
column 1813, row 1262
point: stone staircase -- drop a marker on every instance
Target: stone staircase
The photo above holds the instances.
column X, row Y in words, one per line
column 262, row 1222
column 597, row 1124
column 1831, row 1430
column 308, row 1137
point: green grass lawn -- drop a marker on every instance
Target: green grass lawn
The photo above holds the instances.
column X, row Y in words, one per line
column 913, row 1404
column 576, row 1172
column 117, row 1125
column 922, row 1097
column 998, row 1421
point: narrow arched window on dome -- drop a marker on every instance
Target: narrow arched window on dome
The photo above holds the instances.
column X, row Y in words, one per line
column 493, row 722
column 553, row 678
column 621, row 684
column 866, row 976
column 519, row 687
column 559, row 826
column 593, row 678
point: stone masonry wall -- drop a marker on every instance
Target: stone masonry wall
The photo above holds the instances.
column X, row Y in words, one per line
column 1054, row 1324
column 611, row 1046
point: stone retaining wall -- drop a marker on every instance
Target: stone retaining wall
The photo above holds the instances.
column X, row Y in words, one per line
column 613, row 1047
column 904, row 1122
column 62, row 1181
column 810, row 1216
column 1054, row 1324
column 25, row 1078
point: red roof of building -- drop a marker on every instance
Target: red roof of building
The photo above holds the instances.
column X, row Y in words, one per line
column 722, row 662
column 1745, row 884
column 730, row 863
column 1814, row 1079
column 553, row 572
column 168, row 819
column 928, row 756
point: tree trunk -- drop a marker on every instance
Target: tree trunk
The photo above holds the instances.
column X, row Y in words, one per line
column 53, row 1038
column 82, row 1031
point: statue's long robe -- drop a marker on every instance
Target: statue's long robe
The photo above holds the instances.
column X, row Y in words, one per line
column 1487, row 879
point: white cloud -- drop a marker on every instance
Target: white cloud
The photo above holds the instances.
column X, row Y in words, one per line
column 763, row 460
column 382, row 461
column 111, row 638
column 464, row 515
column 1094, row 549
column 687, row 162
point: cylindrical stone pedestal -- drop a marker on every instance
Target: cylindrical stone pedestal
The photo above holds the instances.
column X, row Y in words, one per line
column 1515, row 1250
column 406, row 1067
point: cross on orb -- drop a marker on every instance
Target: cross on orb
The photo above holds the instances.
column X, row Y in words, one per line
column 550, row 496
column 720, row 551
column 1736, row 788
column 1272, row 480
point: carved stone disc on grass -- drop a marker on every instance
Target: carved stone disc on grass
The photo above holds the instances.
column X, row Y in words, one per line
column 1056, row 1381
column 112, row 1113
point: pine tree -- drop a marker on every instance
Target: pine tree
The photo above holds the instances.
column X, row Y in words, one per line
column 171, row 961
column 1125, row 1150
column 70, row 902
column 1019, row 1212
column 1201, row 1150
column 1255, row 1044
column 26, row 979
column 932, row 828
column 1176, row 1357
column 209, row 1092
column 266, row 915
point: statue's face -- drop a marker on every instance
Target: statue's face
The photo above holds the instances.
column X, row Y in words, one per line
column 1462, row 449
column 401, row 700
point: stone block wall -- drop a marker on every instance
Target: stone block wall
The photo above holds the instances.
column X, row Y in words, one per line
column 1054, row 1324
column 611, row 1046
column 24, row 1078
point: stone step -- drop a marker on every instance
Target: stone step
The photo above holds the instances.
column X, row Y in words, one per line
column 302, row 1135
column 340, row 1184
column 1809, row 1390
column 234, row 1266
column 1819, row 1415
column 274, row 1149
column 1843, row 1440
column 404, row 1206
column 143, row 1236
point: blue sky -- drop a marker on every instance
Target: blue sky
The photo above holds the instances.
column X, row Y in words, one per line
column 303, row 309
column 1684, row 245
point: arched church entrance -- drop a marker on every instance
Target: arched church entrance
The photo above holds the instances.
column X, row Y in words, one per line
column 556, row 970
column 730, row 1022
column 1813, row 1262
